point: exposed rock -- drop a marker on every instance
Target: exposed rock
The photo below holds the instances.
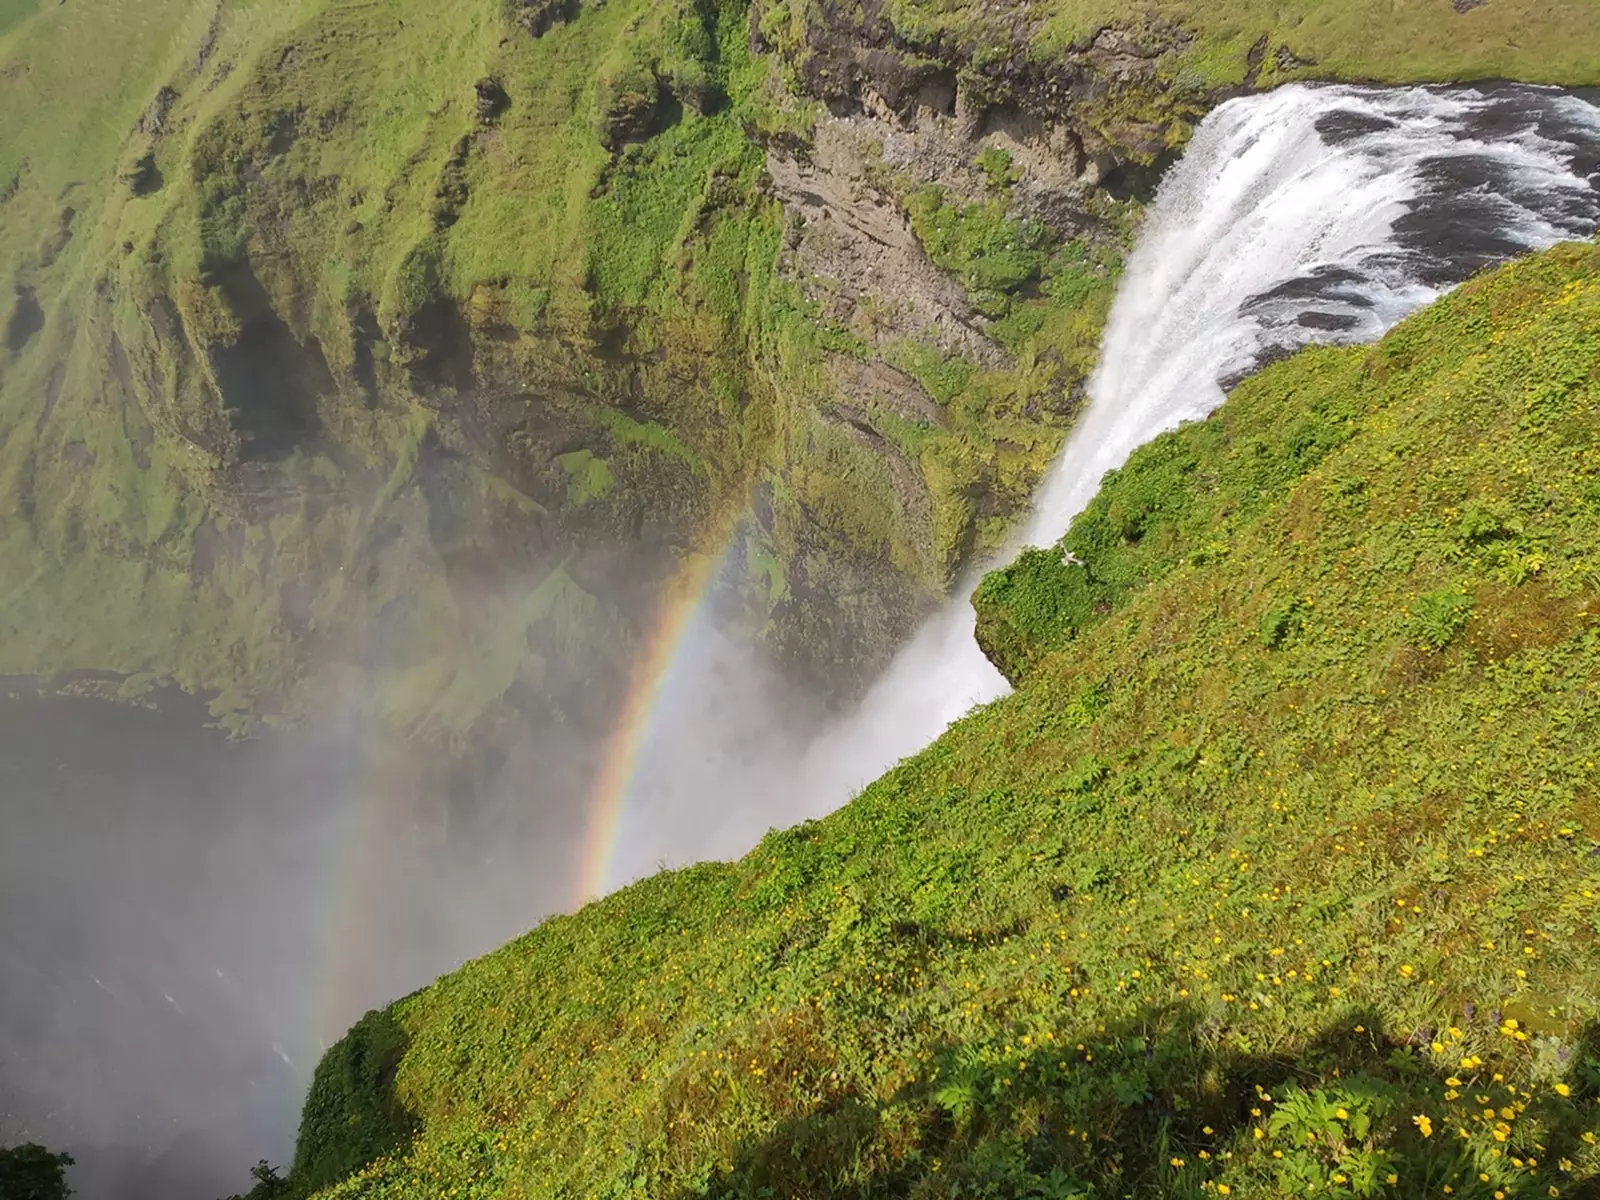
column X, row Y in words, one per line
column 153, row 123
column 1115, row 94
column 1288, row 60
column 491, row 100
column 1254, row 61
column 879, row 382
column 627, row 108
column 538, row 17
column 208, row 44
column 855, row 252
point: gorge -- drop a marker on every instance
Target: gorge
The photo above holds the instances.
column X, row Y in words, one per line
column 615, row 691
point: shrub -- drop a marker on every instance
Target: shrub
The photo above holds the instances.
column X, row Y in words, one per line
column 1281, row 622
column 1437, row 617
column 996, row 166
column 30, row 1172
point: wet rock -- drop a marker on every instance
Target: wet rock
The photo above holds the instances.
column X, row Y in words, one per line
column 1288, row 60
column 153, row 123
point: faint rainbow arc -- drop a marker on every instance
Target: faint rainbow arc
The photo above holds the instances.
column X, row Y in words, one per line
column 684, row 596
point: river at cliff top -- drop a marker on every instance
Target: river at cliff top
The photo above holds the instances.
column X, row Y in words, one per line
column 188, row 920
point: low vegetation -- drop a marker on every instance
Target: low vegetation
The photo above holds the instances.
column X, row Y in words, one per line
column 31, row 1172
column 1277, row 874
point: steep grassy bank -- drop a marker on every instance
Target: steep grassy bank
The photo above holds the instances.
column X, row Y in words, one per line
column 1281, row 875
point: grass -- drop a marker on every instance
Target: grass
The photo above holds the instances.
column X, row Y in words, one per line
column 1218, row 903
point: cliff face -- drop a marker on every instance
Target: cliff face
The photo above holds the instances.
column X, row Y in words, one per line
column 401, row 357
column 420, row 348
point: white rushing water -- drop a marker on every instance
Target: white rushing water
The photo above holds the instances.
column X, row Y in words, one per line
column 1306, row 214
column 1301, row 215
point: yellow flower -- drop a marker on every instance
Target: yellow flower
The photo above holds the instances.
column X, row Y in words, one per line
column 1177, row 1162
column 1423, row 1123
column 1224, row 1190
column 1563, row 1090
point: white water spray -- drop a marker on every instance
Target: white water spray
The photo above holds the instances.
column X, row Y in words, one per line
column 1307, row 214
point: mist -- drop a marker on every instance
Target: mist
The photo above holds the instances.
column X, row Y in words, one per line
column 190, row 921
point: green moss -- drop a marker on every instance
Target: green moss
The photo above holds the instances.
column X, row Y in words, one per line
column 995, row 255
column 650, row 436
column 590, row 476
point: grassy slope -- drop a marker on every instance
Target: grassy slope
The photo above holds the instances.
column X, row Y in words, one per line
column 1217, row 903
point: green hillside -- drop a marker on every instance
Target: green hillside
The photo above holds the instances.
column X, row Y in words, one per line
column 1279, row 877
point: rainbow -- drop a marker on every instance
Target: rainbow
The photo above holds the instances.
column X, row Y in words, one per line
column 353, row 844
column 683, row 597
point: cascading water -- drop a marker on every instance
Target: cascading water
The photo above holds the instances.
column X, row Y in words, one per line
column 1309, row 214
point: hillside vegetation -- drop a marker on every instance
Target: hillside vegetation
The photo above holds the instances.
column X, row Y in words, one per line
column 1282, row 876
column 392, row 355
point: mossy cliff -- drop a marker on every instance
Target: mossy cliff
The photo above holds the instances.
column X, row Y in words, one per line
column 1277, row 874
column 393, row 355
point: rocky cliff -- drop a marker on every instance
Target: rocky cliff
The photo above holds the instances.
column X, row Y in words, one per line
column 397, row 358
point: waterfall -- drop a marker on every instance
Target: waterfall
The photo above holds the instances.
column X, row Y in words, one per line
column 1308, row 214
